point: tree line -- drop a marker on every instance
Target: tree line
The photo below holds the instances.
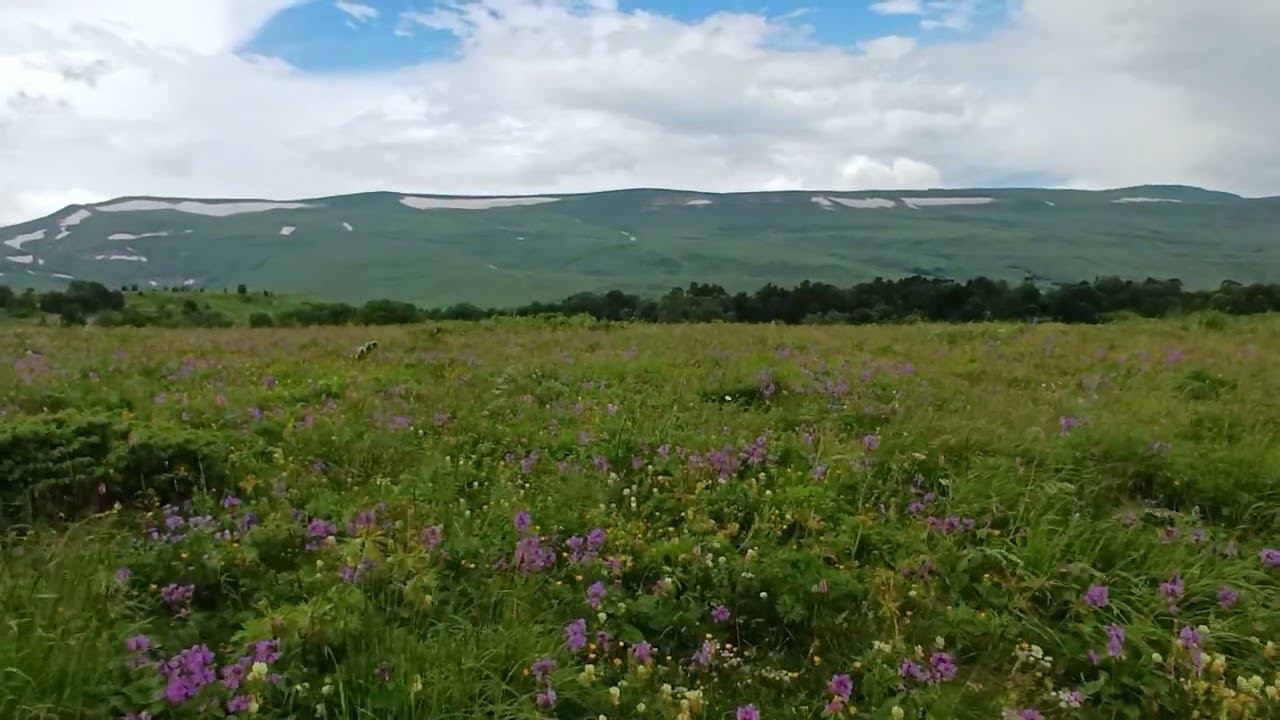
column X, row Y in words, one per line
column 907, row 299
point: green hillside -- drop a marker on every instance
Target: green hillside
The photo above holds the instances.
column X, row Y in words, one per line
column 359, row 246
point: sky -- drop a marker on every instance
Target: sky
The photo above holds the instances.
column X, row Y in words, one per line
column 290, row 99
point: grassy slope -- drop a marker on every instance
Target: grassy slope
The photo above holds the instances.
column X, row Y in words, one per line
column 741, row 241
column 971, row 411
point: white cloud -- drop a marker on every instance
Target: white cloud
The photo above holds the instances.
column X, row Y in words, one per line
column 358, row 12
column 935, row 14
column 101, row 98
column 902, row 173
column 898, row 7
column 889, row 47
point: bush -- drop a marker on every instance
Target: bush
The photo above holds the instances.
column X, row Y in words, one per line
column 387, row 312
column 70, row 462
column 261, row 320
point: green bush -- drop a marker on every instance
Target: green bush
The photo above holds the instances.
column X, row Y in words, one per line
column 261, row 320
column 71, row 462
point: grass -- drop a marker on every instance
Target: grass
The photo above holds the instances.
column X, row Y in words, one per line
column 855, row 497
column 236, row 307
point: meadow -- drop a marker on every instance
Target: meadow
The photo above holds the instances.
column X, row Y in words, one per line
column 538, row 519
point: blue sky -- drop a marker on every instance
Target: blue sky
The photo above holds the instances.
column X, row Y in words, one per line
column 320, row 36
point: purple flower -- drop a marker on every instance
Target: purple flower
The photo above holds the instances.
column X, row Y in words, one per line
column 944, row 668
column 595, row 539
column 348, row 573
column 532, row 557
column 546, row 698
column 840, row 686
column 1072, row 698
column 1066, row 424
column 230, row 501
column 941, row 669
column 642, row 652
column 833, row 708
column 1172, row 590
column 1270, row 557
column 819, row 472
column 319, row 528
column 431, row 537
column 1096, row 596
column 527, row 464
column 541, row 669
column 702, row 657
column 870, row 442
column 720, row 614
column 1115, row 641
column 1028, row 714
column 137, row 644
column 123, row 574
column 747, row 712
column 186, row 673
column 575, row 635
column 265, row 651
column 238, row 704
column 1190, row 637
column 177, row 594
column 595, row 595
column 1227, row 598
column 521, row 522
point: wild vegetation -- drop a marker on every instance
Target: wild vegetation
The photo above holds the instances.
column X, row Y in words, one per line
column 543, row 519
column 908, row 299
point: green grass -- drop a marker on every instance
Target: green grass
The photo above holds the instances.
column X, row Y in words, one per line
column 236, row 307
column 1172, row 470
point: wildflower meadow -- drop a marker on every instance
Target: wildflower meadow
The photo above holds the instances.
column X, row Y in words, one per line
column 538, row 519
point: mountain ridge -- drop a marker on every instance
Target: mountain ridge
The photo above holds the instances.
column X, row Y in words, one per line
column 500, row 249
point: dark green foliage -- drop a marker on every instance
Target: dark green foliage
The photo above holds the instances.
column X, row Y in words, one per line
column 905, row 300
column 387, row 312
column 261, row 320
column 319, row 314
column 70, row 462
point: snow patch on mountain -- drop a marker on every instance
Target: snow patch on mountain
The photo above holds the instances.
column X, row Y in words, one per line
column 864, row 203
column 196, row 207
column 17, row 242
column 128, row 236
column 428, row 203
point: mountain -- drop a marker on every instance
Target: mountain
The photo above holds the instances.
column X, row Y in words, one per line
column 436, row 249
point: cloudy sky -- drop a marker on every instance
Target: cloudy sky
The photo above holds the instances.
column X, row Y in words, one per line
column 290, row 99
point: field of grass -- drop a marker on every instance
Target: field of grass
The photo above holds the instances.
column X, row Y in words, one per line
column 511, row 520
column 236, row 307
